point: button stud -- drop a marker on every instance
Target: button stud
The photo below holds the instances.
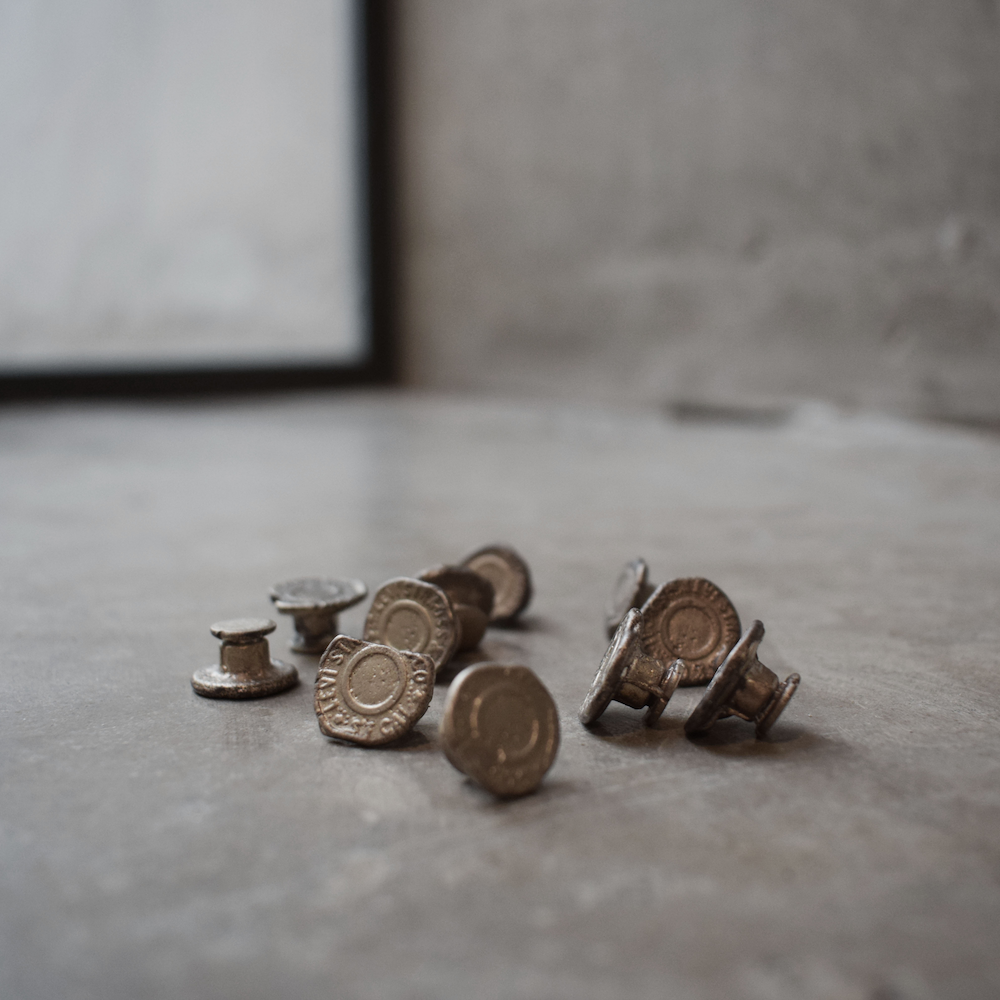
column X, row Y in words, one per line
column 629, row 675
column 500, row 727
column 510, row 577
column 471, row 597
column 744, row 687
column 631, row 591
column 371, row 694
column 410, row 614
column 690, row 619
column 314, row 603
column 245, row 668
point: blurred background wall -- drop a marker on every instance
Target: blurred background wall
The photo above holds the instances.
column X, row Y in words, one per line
column 176, row 180
column 705, row 201
column 693, row 201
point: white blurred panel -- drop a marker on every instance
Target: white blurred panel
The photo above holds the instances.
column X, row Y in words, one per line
column 177, row 181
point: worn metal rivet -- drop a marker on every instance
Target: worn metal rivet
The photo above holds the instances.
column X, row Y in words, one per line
column 632, row 590
column 629, row 675
column 510, row 577
column 500, row 727
column 471, row 597
column 744, row 687
column 690, row 619
column 410, row 614
column 369, row 693
column 314, row 603
column 245, row 668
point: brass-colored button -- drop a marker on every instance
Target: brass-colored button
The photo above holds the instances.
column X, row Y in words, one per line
column 314, row 604
column 245, row 668
column 410, row 614
column 500, row 727
column 369, row 693
column 744, row 687
column 629, row 675
column 510, row 577
column 471, row 597
column 690, row 619
column 632, row 590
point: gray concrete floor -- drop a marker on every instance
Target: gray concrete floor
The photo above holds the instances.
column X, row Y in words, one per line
column 154, row 844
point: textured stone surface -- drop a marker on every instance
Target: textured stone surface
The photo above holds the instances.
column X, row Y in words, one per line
column 706, row 199
column 155, row 844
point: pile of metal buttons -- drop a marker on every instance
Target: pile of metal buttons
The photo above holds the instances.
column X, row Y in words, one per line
column 500, row 725
column 685, row 632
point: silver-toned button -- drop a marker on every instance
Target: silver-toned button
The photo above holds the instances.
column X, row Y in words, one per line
column 510, row 577
column 410, row 614
column 471, row 597
column 314, row 603
column 744, row 687
column 245, row 668
column 629, row 675
column 632, row 590
column 690, row 619
column 369, row 693
column 500, row 727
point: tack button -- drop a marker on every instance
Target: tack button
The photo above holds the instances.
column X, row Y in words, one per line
column 370, row 694
column 500, row 727
column 510, row 577
column 744, row 687
column 627, row 674
column 314, row 604
column 690, row 619
column 413, row 615
column 245, row 668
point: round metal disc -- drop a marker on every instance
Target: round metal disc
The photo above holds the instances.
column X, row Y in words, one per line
column 690, row 619
column 410, row 614
column 214, row 682
column 245, row 629
column 725, row 682
column 314, row 593
column 510, row 577
column 500, row 727
column 624, row 646
column 627, row 593
column 369, row 693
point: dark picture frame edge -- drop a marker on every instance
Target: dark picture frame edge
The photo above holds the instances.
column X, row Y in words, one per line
column 376, row 46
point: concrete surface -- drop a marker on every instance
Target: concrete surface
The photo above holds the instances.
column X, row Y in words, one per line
column 705, row 199
column 154, row 844
column 177, row 181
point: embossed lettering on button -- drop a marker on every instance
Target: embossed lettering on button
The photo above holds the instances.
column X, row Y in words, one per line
column 245, row 668
column 500, row 727
column 314, row 603
column 471, row 597
column 369, row 693
column 629, row 675
column 510, row 577
column 744, row 687
column 411, row 614
column 690, row 619
column 632, row 590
